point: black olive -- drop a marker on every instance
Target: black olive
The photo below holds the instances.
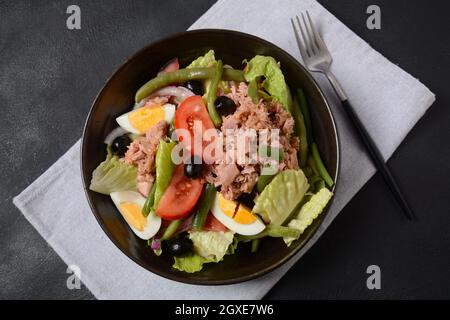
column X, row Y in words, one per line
column 225, row 105
column 180, row 246
column 195, row 86
column 194, row 168
column 120, row 145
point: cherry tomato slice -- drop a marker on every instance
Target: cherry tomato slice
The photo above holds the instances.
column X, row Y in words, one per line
column 193, row 116
column 180, row 196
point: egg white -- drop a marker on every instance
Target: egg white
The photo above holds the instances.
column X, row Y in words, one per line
column 169, row 112
column 124, row 122
column 244, row 229
column 153, row 221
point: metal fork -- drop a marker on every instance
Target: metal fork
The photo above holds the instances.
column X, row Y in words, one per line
column 317, row 58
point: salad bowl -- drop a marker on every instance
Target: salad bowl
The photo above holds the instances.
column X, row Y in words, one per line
column 117, row 97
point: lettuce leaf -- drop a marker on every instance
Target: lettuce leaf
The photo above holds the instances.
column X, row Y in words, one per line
column 209, row 246
column 205, row 61
column 309, row 212
column 189, row 263
column 281, row 196
column 112, row 175
column 164, row 169
column 208, row 60
column 233, row 246
column 274, row 82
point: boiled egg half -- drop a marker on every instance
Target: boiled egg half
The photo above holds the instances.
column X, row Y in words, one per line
column 130, row 204
column 140, row 120
column 236, row 217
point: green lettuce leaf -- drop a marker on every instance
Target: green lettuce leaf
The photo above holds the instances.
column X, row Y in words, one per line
column 164, row 169
column 211, row 245
column 208, row 60
column 233, row 246
column 281, row 196
column 309, row 212
column 113, row 175
column 274, row 82
column 189, row 263
column 205, row 61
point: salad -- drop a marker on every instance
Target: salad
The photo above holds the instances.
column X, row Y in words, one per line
column 210, row 157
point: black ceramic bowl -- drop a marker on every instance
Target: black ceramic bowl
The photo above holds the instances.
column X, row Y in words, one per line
column 117, row 97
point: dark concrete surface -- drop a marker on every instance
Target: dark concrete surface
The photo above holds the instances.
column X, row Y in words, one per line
column 49, row 76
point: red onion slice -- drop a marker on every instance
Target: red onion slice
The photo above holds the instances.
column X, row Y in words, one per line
column 180, row 93
column 117, row 132
column 156, row 244
column 186, row 225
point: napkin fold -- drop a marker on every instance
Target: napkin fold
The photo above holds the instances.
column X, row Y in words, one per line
column 388, row 100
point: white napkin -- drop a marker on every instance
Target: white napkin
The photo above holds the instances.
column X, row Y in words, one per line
column 388, row 100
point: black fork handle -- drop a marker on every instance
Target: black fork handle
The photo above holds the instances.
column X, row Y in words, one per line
column 378, row 160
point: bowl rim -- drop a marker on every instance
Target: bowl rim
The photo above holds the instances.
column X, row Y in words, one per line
column 176, row 277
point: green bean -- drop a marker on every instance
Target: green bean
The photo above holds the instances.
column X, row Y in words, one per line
column 204, row 206
column 320, row 166
column 263, row 181
column 320, row 185
column 233, row 75
column 300, row 130
column 289, row 101
column 272, row 231
column 184, row 75
column 255, row 245
column 312, row 183
column 253, row 91
column 314, row 179
column 251, row 238
column 168, row 78
column 315, row 162
column 171, row 229
column 280, row 231
column 308, row 171
column 306, row 115
column 149, row 202
column 212, row 94
column 312, row 165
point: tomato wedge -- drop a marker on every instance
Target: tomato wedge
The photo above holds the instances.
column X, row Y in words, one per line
column 180, row 196
column 193, row 116
column 212, row 224
column 171, row 66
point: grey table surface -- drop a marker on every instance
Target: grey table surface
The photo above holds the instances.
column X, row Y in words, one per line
column 49, row 76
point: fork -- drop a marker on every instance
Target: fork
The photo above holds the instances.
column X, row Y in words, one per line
column 317, row 58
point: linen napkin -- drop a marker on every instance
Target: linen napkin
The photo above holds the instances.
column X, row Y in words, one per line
column 388, row 100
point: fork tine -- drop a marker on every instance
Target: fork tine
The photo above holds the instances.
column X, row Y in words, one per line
column 300, row 45
column 307, row 48
column 320, row 43
column 312, row 43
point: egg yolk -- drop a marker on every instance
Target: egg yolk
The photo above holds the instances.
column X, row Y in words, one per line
column 132, row 213
column 239, row 213
column 244, row 215
column 227, row 206
column 144, row 118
